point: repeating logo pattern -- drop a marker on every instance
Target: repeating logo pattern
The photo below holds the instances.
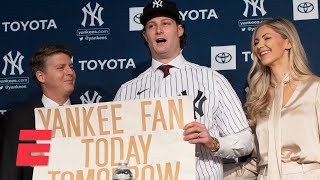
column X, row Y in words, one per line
column 187, row 15
column 93, row 18
column 12, row 72
column 95, row 15
column 32, row 25
column 85, row 98
column 305, row 10
column 223, row 57
column 88, row 21
column 256, row 5
column 134, row 18
column 253, row 10
column 111, row 64
column 305, row 7
column 16, row 63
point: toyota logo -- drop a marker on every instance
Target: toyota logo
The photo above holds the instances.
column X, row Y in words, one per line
column 305, row 7
column 136, row 18
column 223, row 57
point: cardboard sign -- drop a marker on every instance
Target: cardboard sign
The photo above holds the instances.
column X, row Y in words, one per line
column 89, row 139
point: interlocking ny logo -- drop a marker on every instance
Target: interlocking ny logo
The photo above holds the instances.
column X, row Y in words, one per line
column 14, row 62
column 305, row 7
column 85, row 98
column 156, row 4
column 255, row 6
column 94, row 14
column 200, row 99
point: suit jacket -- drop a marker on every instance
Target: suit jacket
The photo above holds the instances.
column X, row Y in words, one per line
column 1, row 132
column 20, row 117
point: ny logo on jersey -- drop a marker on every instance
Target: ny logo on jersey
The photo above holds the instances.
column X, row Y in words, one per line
column 255, row 6
column 199, row 100
column 14, row 62
column 94, row 14
column 157, row 4
column 85, row 98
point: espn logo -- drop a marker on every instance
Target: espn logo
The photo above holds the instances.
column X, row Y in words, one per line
column 25, row 150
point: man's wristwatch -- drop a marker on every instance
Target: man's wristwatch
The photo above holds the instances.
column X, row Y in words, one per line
column 216, row 144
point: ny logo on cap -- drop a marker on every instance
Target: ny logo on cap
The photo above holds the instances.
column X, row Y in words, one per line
column 157, row 4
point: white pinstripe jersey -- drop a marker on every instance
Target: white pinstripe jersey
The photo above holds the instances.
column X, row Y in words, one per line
column 215, row 102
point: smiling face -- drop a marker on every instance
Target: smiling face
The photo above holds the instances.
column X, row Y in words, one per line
column 270, row 47
column 58, row 78
column 163, row 37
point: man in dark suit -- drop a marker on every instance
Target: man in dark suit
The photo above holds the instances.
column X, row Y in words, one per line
column 1, row 132
column 52, row 68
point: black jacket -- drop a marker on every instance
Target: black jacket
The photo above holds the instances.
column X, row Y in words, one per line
column 20, row 117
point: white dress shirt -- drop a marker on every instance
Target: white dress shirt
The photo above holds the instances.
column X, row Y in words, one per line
column 47, row 102
column 216, row 106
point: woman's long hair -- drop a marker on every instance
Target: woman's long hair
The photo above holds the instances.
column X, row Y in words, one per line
column 259, row 77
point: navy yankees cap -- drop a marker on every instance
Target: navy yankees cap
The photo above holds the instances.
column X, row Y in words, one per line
column 160, row 8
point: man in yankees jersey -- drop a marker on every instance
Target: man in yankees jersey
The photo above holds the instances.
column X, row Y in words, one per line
column 220, row 129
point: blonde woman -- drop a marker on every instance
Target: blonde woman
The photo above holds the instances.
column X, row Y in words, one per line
column 283, row 104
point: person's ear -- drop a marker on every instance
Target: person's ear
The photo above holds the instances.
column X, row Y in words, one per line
column 180, row 30
column 288, row 45
column 40, row 76
column 144, row 35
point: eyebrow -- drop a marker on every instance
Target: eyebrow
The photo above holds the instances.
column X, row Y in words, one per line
column 262, row 36
column 58, row 65
column 164, row 19
column 63, row 64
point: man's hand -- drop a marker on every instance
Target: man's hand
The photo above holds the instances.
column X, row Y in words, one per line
column 197, row 133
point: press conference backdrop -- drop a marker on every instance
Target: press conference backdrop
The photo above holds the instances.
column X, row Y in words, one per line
column 104, row 36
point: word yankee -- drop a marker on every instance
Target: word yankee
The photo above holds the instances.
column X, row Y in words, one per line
column 78, row 121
